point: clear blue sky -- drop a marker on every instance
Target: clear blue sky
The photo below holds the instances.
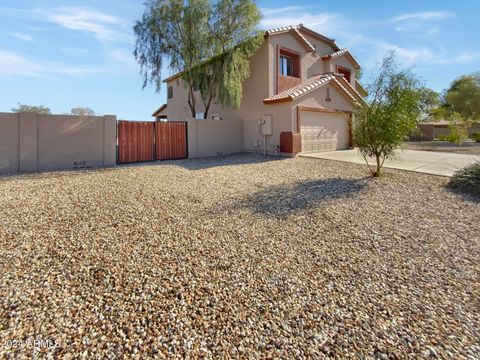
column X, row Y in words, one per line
column 61, row 54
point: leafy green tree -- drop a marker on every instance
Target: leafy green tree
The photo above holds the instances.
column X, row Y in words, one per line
column 463, row 97
column 394, row 106
column 429, row 102
column 208, row 42
column 84, row 111
column 29, row 108
column 458, row 128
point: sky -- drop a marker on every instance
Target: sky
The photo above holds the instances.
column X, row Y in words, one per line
column 64, row 54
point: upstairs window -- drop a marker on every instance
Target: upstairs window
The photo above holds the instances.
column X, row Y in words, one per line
column 288, row 62
column 346, row 72
column 170, row 92
column 286, row 65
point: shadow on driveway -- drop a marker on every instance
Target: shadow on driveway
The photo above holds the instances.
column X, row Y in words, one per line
column 285, row 200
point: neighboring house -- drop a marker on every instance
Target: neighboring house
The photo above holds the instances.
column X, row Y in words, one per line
column 301, row 95
column 437, row 129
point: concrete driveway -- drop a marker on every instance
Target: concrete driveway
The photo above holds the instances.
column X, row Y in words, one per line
column 429, row 162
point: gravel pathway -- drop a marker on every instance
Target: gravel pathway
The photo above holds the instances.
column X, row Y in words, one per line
column 238, row 257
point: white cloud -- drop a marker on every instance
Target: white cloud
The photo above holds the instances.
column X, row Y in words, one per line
column 324, row 23
column 13, row 64
column 125, row 58
column 423, row 16
column 463, row 57
column 21, row 36
column 104, row 27
column 273, row 11
column 419, row 22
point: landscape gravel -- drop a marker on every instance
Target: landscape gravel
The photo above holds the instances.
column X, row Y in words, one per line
column 238, row 257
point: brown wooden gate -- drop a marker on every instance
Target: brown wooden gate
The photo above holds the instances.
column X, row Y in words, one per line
column 170, row 140
column 147, row 141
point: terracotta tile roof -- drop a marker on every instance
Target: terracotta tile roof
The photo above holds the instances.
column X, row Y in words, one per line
column 305, row 41
column 340, row 53
column 314, row 83
column 359, row 86
column 282, row 29
column 358, row 97
column 294, row 29
column 301, row 89
column 304, row 29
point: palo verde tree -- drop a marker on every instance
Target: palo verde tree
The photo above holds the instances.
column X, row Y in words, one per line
column 210, row 43
column 394, row 106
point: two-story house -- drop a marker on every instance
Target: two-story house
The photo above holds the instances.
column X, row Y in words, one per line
column 301, row 95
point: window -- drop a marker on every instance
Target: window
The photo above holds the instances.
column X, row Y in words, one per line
column 328, row 94
column 170, row 92
column 346, row 72
column 199, row 115
column 286, row 65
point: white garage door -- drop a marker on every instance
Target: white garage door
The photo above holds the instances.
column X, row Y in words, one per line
column 323, row 131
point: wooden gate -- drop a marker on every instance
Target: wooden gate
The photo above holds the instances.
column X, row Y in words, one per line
column 147, row 141
column 170, row 140
column 135, row 141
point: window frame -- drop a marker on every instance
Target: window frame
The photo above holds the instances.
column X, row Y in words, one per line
column 342, row 70
column 286, row 64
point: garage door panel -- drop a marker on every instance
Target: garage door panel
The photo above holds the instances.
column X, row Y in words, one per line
column 323, row 131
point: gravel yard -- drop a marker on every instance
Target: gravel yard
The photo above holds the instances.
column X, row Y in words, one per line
column 238, row 257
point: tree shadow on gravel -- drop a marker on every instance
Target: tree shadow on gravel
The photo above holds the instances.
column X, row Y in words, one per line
column 223, row 160
column 465, row 196
column 285, row 200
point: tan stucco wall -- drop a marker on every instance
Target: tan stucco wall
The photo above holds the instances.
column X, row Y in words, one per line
column 343, row 61
column 213, row 137
column 317, row 99
column 53, row 142
column 9, row 145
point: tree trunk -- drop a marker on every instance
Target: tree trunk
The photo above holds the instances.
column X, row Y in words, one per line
column 207, row 107
column 191, row 101
column 379, row 165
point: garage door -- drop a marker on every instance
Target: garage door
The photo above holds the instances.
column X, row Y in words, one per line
column 323, row 131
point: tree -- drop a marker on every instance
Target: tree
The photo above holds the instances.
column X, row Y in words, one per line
column 463, row 97
column 209, row 43
column 29, row 108
column 84, row 111
column 429, row 102
column 392, row 112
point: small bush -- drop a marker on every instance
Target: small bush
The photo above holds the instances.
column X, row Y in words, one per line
column 467, row 180
column 443, row 137
column 476, row 137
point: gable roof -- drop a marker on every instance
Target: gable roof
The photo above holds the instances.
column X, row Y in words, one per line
column 340, row 53
column 298, row 30
column 294, row 30
column 314, row 83
column 159, row 110
column 360, row 88
column 301, row 89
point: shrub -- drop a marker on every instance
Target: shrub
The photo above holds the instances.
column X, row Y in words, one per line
column 476, row 137
column 467, row 180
